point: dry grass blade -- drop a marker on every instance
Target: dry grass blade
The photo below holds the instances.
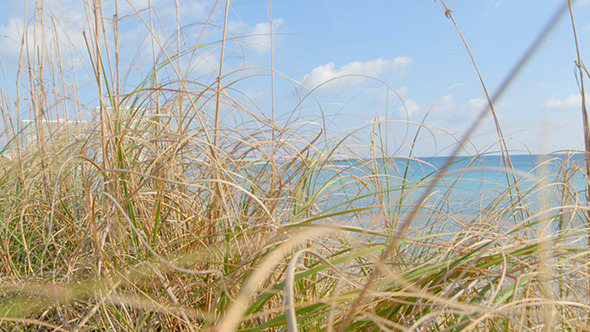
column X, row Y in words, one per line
column 580, row 66
column 190, row 203
column 503, row 87
column 235, row 312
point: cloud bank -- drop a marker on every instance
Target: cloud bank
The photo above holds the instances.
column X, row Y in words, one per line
column 257, row 37
column 346, row 73
column 570, row 101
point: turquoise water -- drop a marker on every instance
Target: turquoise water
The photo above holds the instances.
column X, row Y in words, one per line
column 470, row 185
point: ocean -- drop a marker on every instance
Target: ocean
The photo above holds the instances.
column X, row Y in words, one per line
column 360, row 190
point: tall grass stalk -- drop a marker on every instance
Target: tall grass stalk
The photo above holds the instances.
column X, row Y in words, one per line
column 185, row 206
column 492, row 111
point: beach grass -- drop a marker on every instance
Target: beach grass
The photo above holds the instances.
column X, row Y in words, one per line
column 183, row 206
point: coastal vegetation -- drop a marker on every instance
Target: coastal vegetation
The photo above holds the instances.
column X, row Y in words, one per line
column 181, row 205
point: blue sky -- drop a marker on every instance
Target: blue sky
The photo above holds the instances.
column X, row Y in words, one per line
column 409, row 48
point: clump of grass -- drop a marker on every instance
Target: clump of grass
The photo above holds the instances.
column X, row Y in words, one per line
column 182, row 206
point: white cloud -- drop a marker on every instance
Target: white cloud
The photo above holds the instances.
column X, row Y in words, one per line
column 456, row 115
column 411, row 107
column 374, row 68
column 478, row 103
column 386, row 95
column 254, row 93
column 260, row 35
column 403, row 91
column 63, row 34
column 128, row 7
column 445, row 104
column 496, row 4
column 65, row 20
column 193, row 9
column 205, row 63
column 257, row 37
column 570, row 101
column 459, row 111
column 10, row 37
column 237, row 27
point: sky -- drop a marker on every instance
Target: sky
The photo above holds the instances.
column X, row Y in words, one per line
column 363, row 61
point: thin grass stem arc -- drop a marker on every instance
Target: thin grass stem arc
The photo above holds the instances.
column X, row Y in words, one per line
column 503, row 87
column 502, row 140
column 205, row 223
